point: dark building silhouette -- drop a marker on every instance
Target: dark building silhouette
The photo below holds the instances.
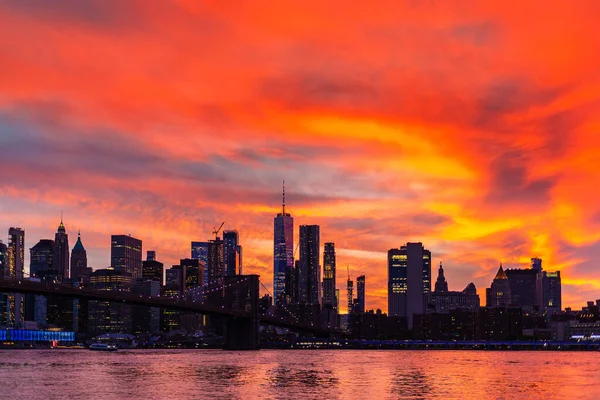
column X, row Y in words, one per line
column 349, row 294
column 441, row 285
column 549, row 295
column 152, row 269
column 174, row 279
column 61, row 252
column 309, row 284
column 126, row 253
column 193, row 273
column 522, row 284
column 536, row 264
column 409, row 280
column 498, row 295
column 104, row 316
column 80, row 271
column 376, row 326
column 500, row 323
column 360, row 294
column 146, row 319
column 232, row 253
column 41, row 261
column 452, row 325
column 216, row 264
column 444, row 301
column 283, row 254
column 329, row 270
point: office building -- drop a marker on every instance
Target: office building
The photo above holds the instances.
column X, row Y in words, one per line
column 15, row 270
column 61, row 252
column 104, row 316
column 3, row 296
column 523, row 291
column 349, row 294
column 126, row 253
column 549, row 292
column 216, row 264
column 329, row 270
column 498, row 295
column 200, row 252
column 192, row 273
column 309, row 284
column 283, row 253
column 80, row 272
column 41, row 264
column 152, row 269
column 360, row 294
column 409, row 281
column 232, row 253
column 146, row 319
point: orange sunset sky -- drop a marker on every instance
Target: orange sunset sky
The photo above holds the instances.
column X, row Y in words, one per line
column 470, row 127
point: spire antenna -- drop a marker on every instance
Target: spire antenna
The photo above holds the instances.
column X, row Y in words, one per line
column 283, row 199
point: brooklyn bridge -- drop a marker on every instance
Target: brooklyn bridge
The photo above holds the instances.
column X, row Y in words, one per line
column 235, row 301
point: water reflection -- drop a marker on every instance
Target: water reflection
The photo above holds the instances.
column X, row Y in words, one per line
column 299, row 374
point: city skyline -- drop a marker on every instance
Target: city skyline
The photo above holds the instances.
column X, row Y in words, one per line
column 535, row 264
column 470, row 129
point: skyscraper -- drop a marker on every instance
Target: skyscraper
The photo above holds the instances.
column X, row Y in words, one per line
column 409, row 280
column 152, row 269
column 16, row 253
column 309, row 287
column 498, row 294
column 360, row 293
column 349, row 293
column 15, row 268
column 79, row 268
column 232, row 253
column 216, row 264
column 549, row 292
column 200, row 252
column 61, row 252
column 522, row 284
column 41, row 264
column 193, row 273
column 329, row 269
column 126, row 253
column 283, row 252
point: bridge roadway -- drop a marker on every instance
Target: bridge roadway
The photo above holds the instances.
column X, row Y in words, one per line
column 55, row 289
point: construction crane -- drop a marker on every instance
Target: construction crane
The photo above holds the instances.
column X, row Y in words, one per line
column 216, row 231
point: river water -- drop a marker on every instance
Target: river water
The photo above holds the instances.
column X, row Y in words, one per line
column 301, row 374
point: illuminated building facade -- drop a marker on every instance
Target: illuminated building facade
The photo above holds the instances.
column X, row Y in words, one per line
column 41, row 264
column 200, row 252
column 549, row 292
column 283, row 253
column 152, row 269
column 104, row 316
column 409, row 280
column 329, row 270
column 232, row 253
column 126, row 253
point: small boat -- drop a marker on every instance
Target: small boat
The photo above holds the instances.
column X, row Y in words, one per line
column 103, row 347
